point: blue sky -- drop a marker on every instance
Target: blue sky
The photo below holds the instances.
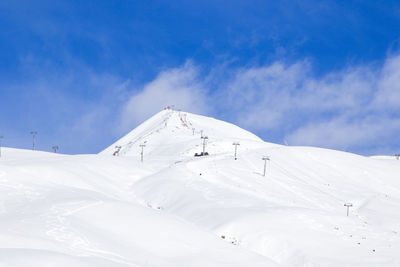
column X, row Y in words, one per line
column 83, row 73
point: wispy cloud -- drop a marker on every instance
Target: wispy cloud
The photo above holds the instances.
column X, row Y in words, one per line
column 355, row 108
column 352, row 109
column 181, row 87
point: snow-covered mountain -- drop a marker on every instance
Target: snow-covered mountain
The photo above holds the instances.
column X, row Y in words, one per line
column 174, row 209
column 171, row 136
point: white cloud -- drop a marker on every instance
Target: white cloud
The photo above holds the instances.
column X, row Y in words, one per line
column 341, row 134
column 267, row 97
column 356, row 107
column 352, row 108
column 388, row 94
column 179, row 86
column 361, row 110
column 260, row 96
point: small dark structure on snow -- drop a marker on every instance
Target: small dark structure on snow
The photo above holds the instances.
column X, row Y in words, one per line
column 117, row 149
column 201, row 154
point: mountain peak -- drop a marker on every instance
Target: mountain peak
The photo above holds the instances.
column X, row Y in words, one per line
column 171, row 132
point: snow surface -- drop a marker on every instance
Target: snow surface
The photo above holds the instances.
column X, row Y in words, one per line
column 178, row 210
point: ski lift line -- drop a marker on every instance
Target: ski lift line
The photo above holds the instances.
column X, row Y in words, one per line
column 167, row 145
column 255, row 191
column 240, row 188
column 184, row 121
column 295, row 175
column 283, row 170
column 289, row 174
column 328, row 165
column 129, row 145
column 255, row 168
column 296, row 192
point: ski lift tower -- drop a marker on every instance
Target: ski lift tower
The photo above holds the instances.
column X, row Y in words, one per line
column 265, row 163
column 236, row 144
column 204, row 143
column 55, row 148
column 141, row 153
column 348, row 205
column 33, row 133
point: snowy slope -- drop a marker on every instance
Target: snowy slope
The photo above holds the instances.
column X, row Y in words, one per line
column 172, row 136
column 80, row 211
column 175, row 209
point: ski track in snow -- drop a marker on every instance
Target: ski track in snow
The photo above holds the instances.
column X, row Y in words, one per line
column 176, row 210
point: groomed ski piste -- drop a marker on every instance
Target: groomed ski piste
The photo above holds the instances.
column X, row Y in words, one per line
column 177, row 210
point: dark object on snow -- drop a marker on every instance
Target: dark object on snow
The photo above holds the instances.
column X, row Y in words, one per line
column 117, row 149
column 201, row 154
